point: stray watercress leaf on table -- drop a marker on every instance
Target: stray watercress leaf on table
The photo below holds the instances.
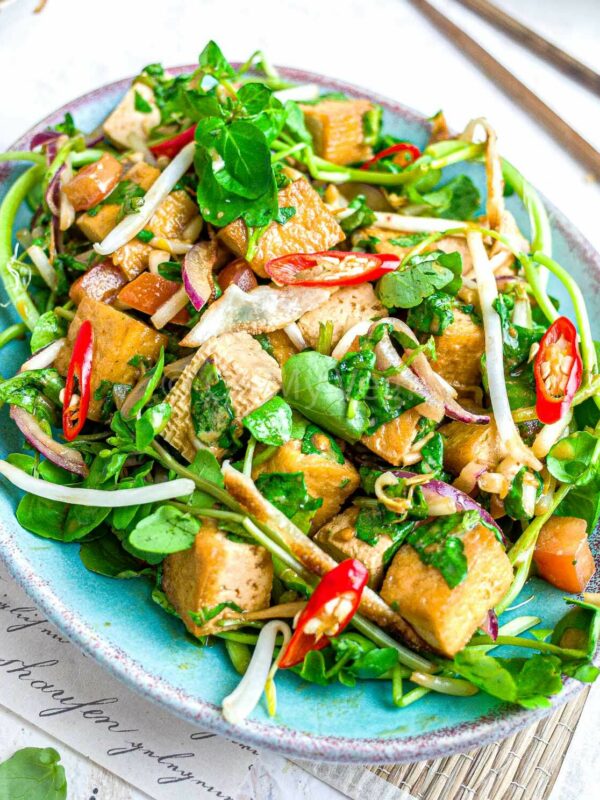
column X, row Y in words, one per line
column 270, row 423
column 420, row 277
column 167, row 530
column 33, row 773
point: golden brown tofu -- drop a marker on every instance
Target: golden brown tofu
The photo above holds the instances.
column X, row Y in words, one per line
column 392, row 441
column 339, row 539
column 346, row 307
column 447, row 618
column 459, row 350
column 465, row 443
column 324, row 476
column 101, row 282
column 251, row 375
column 173, row 215
column 126, row 126
column 399, row 244
column 217, row 570
column 132, row 258
column 281, row 346
column 96, row 227
column 312, row 228
column 117, row 339
column 93, row 183
column 337, row 129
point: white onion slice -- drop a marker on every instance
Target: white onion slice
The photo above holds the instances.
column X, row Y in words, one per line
column 132, row 224
column 172, row 306
column 44, row 357
column 294, row 334
column 488, row 292
column 549, row 435
column 345, row 343
column 176, row 247
column 44, row 267
column 245, row 697
column 305, row 91
column 118, row 498
column 408, row 224
column 261, row 310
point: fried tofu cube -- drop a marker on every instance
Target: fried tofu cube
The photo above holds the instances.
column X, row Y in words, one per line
column 217, row 570
column 562, row 554
column 281, row 346
column 465, row 443
column 97, row 226
column 346, row 307
column 337, row 129
column 132, row 258
column 324, row 476
column 126, row 126
column 400, row 244
column 93, row 183
column 392, row 441
column 312, row 228
column 447, row 618
column 117, row 339
column 251, row 375
column 101, row 282
column 148, row 292
column 338, row 538
column 459, row 350
column 173, row 215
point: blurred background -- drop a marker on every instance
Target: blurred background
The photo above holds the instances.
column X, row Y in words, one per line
column 73, row 46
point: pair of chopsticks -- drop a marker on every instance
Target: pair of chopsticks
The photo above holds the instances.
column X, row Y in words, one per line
column 579, row 147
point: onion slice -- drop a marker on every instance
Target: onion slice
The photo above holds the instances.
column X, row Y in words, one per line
column 261, row 310
column 300, row 93
column 57, row 453
column 44, row 267
column 490, row 624
column 169, row 308
column 245, row 697
column 408, row 224
column 117, row 498
column 43, row 358
column 132, row 224
column 345, row 343
column 294, row 334
column 197, row 273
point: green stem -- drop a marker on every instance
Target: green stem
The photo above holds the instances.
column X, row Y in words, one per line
column 530, row 644
column 264, row 455
column 412, row 696
column 239, row 655
column 23, row 155
column 16, row 331
column 457, row 687
column 85, row 157
column 8, row 211
column 249, row 456
column 541, row 232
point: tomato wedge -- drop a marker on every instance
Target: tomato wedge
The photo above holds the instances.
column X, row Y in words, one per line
column 330, row 268
column 330, row 608
column 557, row 370
column 77, row 395
column 411, row 153
column 170, row 147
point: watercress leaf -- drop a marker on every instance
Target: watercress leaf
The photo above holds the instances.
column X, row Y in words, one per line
column 375, row 521
column 317, row 442
column 270, row 423
column 295, row 124
column 361, row 215
column 516, row 503
column 105, row 556
column 583, row 502
column 570, row 458
column 151, row 423
column 205, row 465
column 33, row 773
column 439, row 544
column 313, row 668
column 167, row 530
column 459, row 198
column 433, row 315
column 579, row 628
column 307, row 388
column 81, row 521
column 216, row 205
column 374, row 664
column 247, row 158
column 151, row 380
column 287, row 491
column 47, row 382
column 48, row 328
column 211, row 410
column 420, row 277
column 213, row 62
column 44, row 517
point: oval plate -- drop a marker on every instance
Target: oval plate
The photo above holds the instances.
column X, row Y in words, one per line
column 123, row 629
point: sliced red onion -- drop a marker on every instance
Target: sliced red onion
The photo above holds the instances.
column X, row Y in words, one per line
column 59, row 454
column 490, row 625
column 197, row 273
column 43, row 138
column 43, row 358
column 52, row 195
column 435, row 489
column 94, row 138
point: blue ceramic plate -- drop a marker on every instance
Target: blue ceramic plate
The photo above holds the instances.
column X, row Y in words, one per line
column 117, row 623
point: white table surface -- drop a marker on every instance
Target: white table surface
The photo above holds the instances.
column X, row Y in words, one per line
column 75, row 45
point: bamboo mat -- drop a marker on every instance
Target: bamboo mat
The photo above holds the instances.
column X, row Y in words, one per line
column 522, row 767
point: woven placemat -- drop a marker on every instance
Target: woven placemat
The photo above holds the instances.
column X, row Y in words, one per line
column 522, row 767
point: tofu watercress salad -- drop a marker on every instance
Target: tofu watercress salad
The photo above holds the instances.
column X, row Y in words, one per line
column 289, row 373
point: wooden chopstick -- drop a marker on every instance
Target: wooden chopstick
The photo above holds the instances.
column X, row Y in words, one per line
column 533, row 41
column 579, row 147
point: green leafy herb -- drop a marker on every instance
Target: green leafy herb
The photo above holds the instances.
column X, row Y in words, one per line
column 574, row 458
column 433, row 457
column 516, row 504
column 127, row 194
column 375, row 521
column 35, row 390
column 439, row 544
column 408, row 239
column 287, row 491
column 141, row 104
column 33, row 773
column 433, row 315
column 48, row 328
column 317, row 442
column 205, row 465
column 457, row 199
column 422, row 275
column 361, row 216
column 67, row 126
column 270, row 423
column 211, row 409
column 167, row 530
column 205, row 615
column 517, row 340
column 145, row 236
column 106, row 556
column 151, row 423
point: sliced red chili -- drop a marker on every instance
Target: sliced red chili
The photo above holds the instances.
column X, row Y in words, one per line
column 557, row 370
column 330, row 268
column 330, row 608
column 410, row 152
column 170, row 147
column 76, row 400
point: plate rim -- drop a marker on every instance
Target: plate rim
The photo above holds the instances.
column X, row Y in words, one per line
column 502, row 722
